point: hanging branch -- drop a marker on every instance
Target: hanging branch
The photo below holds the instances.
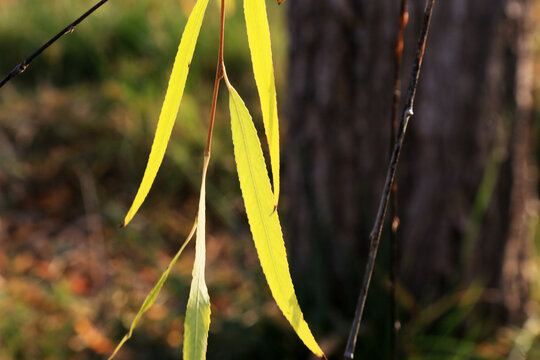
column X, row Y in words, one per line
column 375, row 235
column 394, row 256
column 68, row 29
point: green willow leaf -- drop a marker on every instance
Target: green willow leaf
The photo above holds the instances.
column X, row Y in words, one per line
column 261, row 56
column 151, row 297
column 169, row 111
column 197, row 322
column 263, row 219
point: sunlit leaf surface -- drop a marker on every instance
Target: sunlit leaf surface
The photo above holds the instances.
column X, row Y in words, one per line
column 263, row 220
column 261, row 56
column 169, row 111
column 197, row 322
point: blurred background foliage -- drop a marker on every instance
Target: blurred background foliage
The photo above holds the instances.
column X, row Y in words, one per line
column 75, row 133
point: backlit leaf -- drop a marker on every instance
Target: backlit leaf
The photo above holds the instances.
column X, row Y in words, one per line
column 169, row 111
column 197, row 322
column 151, row 297
column 263, row 69
column 263, row 220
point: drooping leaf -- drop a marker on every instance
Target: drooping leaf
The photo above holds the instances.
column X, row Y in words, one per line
column 197, row 322
column 151, row 297
column 169, row 110
column 263, row 219
column 261, row 56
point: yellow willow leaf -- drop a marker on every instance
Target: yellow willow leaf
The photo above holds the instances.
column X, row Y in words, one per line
column 169, row 110
column 263, row 69
column 151, row 297
column 263, row 220
column 197, row 322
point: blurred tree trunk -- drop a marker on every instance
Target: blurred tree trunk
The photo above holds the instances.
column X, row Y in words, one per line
column 465, row 185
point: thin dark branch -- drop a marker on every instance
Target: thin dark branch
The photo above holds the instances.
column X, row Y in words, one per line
column 375, row 234
column 394, row 255
column 68, row 29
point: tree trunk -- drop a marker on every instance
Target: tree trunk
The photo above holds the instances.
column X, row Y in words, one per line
column 464, row 181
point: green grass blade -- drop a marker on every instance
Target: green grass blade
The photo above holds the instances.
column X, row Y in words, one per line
column 261, row 56
column 197, row 322
column 169, row 111
column 263, row 220
column 151, row 297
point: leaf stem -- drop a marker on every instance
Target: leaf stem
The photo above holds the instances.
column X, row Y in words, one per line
column 394, row 255
column 23, row 65
column 375, row 235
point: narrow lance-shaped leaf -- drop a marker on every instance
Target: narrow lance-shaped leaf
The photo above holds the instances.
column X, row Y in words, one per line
column 263, row 220
column 169, row 110
column 261, row 56
column 151, row 297
column 197, row 322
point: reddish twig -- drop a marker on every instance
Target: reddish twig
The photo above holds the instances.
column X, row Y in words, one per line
column 394, row 256
column 375, row 235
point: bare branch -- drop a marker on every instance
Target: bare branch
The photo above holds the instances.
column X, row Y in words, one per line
column 375, row 234
column 67, row 30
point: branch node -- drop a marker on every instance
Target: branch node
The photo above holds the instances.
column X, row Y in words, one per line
column 395, row 224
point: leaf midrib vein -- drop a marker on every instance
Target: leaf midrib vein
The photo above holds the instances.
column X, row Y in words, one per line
column 257, row 199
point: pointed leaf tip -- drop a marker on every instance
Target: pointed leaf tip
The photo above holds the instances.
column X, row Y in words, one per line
column 171, row 104
column 260, row 47
column 152, row 295
column 263, row 217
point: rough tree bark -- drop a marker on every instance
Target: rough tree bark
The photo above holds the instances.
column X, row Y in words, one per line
column 465, row 178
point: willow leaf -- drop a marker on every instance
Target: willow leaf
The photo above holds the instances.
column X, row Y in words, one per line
column 197, row 322
column 169, row 110
column 263, row 69
column 151, row 297
column 263, row 220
